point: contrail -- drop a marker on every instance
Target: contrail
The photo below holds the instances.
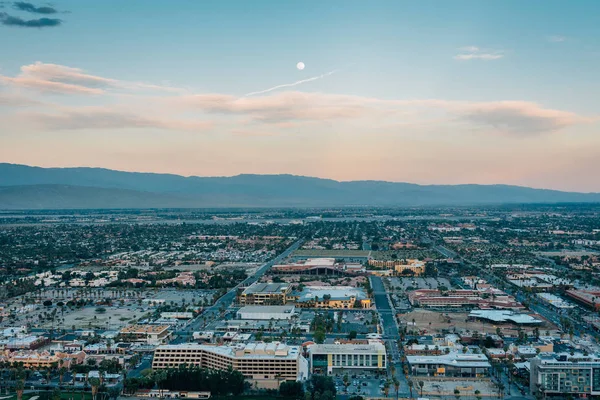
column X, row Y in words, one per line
column 314, row 78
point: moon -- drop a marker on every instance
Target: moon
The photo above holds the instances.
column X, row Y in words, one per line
column 300, row 65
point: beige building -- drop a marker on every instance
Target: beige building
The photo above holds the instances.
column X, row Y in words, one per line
column 42, row 359
column 264, row 365
column 417, row 267
column 151, row 334
column 261, row 293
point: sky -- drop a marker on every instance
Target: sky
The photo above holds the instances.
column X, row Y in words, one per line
column 429, row 92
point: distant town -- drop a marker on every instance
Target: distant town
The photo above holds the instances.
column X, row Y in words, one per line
column 308, row 304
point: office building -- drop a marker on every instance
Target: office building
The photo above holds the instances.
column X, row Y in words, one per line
column 366, row 354
column 150, row 334
column 560, row 375
column 262, row 293
column 264, row 365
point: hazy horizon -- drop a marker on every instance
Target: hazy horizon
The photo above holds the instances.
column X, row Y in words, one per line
column 431, row 93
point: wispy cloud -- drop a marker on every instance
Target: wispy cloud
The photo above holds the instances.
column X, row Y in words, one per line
column 268, row 113
column 28, row 7
column 9, row 20
column 516, row 117
column 60, row 79
column 285, row 85
column 556, row 39
column 105, row 118
column 475, row 53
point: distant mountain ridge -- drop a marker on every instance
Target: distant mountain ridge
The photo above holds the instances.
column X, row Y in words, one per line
column 26, row 187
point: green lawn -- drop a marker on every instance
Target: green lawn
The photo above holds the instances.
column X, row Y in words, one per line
column 248, row 397
column 48, row 396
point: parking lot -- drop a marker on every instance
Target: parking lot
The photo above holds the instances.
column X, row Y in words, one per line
column 363, row 383
column 419, row 283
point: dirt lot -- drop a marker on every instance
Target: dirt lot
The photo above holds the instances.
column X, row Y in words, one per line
column 113, row 319
column 465, row 387
column 434, row 322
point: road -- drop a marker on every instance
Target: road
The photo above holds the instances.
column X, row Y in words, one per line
column 390, row 334
column 227, row 299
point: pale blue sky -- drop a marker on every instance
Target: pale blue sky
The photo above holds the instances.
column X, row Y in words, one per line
column 540, row 56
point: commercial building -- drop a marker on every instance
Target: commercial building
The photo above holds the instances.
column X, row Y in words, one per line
column 150, row 334
column 401, row 267
column 504, row 316
column 30, row 342
column 42, row 359
column 485, row 299
column 262, row 293
column 265, row 365
column 266, row 312
column 318, row 266
column 590, row 298
column 452, row 365
column 555, row 301
column 366, row 354
column 560, row 375
column 337, row 297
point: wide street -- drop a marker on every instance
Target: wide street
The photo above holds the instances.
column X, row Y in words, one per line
column 390, row 333
column 227, row 299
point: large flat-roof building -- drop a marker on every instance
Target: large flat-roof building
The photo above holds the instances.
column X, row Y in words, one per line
column 265, row 293
column 451, row 365
column 590, row 298
column 264, row 364
column 488, row 298
column 325, row 358
column 332, row 297
column 559, row 375
column 318, row 266
column 266, row 312
column 504, row 316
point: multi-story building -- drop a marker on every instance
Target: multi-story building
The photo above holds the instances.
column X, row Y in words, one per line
column 488, row 298
column 261, row 293
column 150, row 334
column 416, row 267
column 265, row 365
column 560, row 375
column 453, row 364
column 366, row 354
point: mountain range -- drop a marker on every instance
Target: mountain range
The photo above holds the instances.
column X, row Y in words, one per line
column 27, row 187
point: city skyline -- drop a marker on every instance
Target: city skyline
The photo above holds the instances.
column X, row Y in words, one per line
column 467, row 92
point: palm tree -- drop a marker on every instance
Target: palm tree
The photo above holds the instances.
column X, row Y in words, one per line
column 61, row 374
column 386, row 388
column 410, row 387
column 396, row 386
column 95, row 384
column 421, row 384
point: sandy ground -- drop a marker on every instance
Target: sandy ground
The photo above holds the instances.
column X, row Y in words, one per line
column 434, row 322
column 113, row 319
column 446, row 387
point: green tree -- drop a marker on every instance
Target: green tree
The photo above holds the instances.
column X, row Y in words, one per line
column 95, row 384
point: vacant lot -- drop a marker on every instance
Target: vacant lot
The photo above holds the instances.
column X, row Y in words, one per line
column 113, row 318
column 434, row 322
column 466, row 388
